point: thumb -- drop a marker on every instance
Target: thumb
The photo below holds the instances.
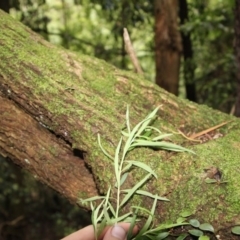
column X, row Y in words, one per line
column 116, row 232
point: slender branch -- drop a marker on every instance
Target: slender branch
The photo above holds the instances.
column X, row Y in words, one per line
column 130, row 50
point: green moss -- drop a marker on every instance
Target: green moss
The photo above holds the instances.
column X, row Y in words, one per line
column 194, row 194
column 82, row 195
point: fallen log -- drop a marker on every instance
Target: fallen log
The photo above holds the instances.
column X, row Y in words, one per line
column 54, row 103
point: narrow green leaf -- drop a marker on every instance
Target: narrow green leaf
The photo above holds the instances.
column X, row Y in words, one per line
column 209, row 180
column 195, row 232
column 137, row 130
column 106, row 205
column 125, row 134
column 206, row 227
column 147, row 121
column 104, row 151
column 146, row 133
column 105, row 213
column 134, row 189
column 181, row 219
column 143, row 166
column 126, row 168
column 92, row 206
column 150, row 218
column 142, row 209
column 128, row 120
column 92, row 215
column 162, row 145
column 100, row 228
column 182, row 236
column 112, row 209
column 145, row 237
column 148, row 194
column 129, row 220
column 186, row 214
column 131, row 138
column 123, row 178
column 121, row 218
column 160, row 137
column 166, row 226
column 97, row 215
column 143, row 137
column 194, row 223
column 83, row 201
column 236, row 230
column 154, row 129
column 116, row 162
column 133, row 223
column 223, row 182
column 107, row 196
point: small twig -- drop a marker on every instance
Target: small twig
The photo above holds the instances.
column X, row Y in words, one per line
column 208, row 130
column 232, row 109
column 196, row 135
column 188, row 138
column 130, row 50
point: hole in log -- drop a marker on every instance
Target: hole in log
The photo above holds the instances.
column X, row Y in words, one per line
column 79, row 153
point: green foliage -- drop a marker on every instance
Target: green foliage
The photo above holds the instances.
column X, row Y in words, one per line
column 198, row 228
column 32, row 13
column 211, row 27
column 96, row 27
column 236, row 230
column 204, row 227
column 104, row 213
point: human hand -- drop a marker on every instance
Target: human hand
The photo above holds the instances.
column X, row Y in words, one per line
column 116, row 232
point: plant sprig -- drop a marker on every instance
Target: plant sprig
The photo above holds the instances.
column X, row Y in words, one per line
column 140, row 135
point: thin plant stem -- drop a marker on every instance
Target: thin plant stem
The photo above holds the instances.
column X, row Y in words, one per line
column 139, row 136
column 119, row 184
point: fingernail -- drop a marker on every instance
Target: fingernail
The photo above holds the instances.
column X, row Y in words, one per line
column 118, row 232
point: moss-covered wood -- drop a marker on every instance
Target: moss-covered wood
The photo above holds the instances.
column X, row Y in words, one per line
column 53, row 103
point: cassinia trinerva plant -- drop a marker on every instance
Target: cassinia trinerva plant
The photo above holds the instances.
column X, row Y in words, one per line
column 103, row 213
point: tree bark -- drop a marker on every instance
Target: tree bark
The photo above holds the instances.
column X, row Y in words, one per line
column 168, row 46
column 5, row 6
column 53, row 103
column 237, row 54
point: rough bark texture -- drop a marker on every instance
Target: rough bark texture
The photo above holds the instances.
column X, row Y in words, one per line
column 49, row 158
column 53, row 103
column 167, row 45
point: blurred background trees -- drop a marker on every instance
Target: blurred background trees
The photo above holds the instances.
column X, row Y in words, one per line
column 205, row 50
column 186, row 47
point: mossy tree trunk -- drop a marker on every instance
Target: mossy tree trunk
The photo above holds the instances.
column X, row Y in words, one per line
column 53, row 103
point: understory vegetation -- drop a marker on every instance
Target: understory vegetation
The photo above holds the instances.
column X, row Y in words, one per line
column 28, row 208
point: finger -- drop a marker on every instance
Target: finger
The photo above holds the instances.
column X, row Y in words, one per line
column 118, row 232
column 86, row 233
column 115, row 232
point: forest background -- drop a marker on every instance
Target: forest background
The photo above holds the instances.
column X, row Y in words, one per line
column 207, row 75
